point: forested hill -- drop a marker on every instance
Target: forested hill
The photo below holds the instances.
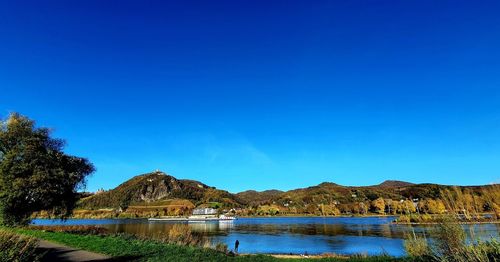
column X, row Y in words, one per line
column 158, row 186
column 154, row 187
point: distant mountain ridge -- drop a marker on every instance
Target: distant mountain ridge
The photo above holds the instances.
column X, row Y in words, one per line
column 158, row 186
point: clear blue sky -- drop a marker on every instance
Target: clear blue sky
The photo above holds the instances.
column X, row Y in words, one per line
column 262, row 94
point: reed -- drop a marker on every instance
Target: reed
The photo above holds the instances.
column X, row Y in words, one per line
column 417, row 247
column 80, row 230
column 18, row 248
column 179, row 234
column 449, row 241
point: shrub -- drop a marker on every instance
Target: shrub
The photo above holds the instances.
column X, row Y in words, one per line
column 492, row 249
column 221, row 247
column 180, row 234
column 416, row 246
column 450, row 238
column 403, row 219
column 426, row 218
column 449, row 244
column 17, row 248
column 482, row 251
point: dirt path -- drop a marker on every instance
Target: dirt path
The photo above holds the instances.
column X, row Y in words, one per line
column 57, row 252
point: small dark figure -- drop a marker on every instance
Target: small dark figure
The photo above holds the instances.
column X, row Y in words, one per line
column 236, row 245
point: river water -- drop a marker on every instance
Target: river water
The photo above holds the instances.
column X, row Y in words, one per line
column 296, row 235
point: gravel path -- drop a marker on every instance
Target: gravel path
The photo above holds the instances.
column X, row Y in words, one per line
column 57, row 252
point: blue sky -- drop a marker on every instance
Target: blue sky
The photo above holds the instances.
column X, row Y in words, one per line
column 262, row 94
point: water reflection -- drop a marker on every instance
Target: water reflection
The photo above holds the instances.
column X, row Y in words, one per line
column 314, row 235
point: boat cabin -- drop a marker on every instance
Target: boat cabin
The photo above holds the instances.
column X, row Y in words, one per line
column 204, row 211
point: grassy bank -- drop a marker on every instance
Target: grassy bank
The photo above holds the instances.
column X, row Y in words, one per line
column 423, row 219
column 127, row 248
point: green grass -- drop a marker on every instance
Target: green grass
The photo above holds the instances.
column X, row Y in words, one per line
column 129, row 248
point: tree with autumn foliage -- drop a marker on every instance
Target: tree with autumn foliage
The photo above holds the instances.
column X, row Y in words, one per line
column 378, row 205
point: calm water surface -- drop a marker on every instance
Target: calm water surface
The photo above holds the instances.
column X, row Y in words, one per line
column 297, row 235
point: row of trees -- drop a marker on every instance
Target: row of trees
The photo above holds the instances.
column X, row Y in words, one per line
column 469, row 204
column 452, row 200
column 389, row 206
column 379, row 206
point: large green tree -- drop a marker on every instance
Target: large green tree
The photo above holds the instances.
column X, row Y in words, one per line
column 35, row 173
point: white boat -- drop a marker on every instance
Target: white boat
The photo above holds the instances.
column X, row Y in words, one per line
column 226, row 218
column 221, row 218
column 169, row 219
column 210, row 218
column 199, row 215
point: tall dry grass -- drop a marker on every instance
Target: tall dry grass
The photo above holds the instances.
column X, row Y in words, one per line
column 17, row 248
column 180, row 234
column 78, row 229
column 417, row 246
column 449, row 243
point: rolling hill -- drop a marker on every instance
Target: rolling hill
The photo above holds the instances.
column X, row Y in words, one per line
column 394, row 183
column 158, row 192
column 154, row 187
column 254, row 198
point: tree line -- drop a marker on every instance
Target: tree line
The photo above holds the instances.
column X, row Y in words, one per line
column 466, row 202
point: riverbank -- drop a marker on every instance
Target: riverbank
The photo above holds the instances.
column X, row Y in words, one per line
column 438, row 223
column 398, row 219
column 111, row 215
column 307, row 215
column 125, row 247
column 426, row 219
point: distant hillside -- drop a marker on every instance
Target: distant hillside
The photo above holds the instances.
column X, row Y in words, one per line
column 327, row 193
column 254, row 198
column 157, row 193
column 395, row 183
column 157, row 186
